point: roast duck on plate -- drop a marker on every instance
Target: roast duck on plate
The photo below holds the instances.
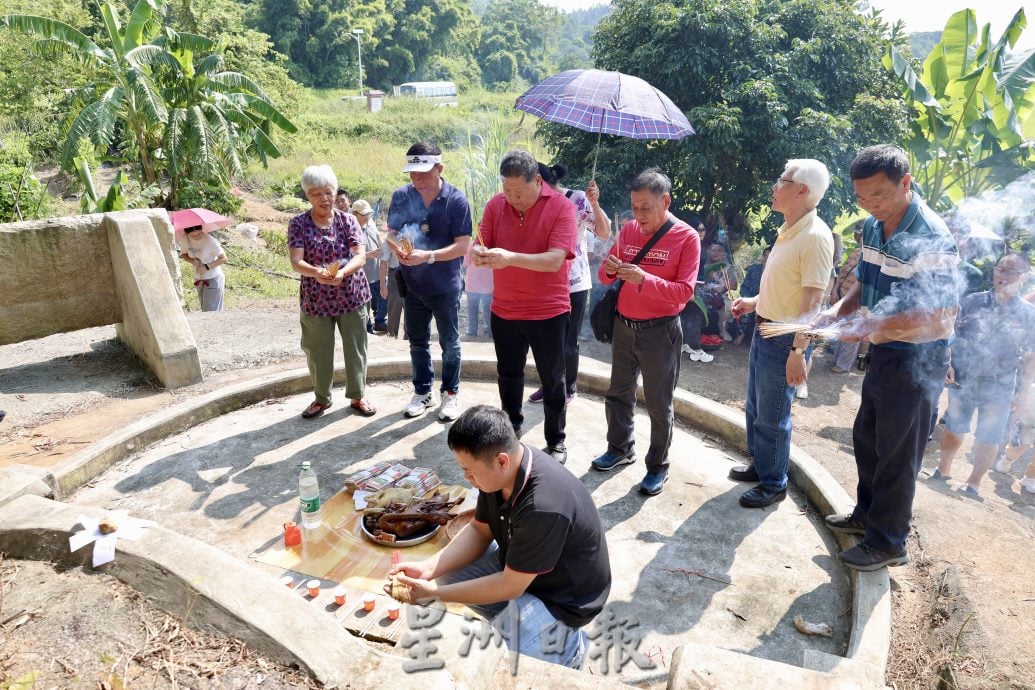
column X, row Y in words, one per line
column 405, row 518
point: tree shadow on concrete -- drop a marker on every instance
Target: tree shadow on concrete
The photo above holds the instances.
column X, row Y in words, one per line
column 269, row 485
column 677, row 585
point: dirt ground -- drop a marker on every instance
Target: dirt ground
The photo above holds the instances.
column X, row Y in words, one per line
column 963, row 613
column 69, row 628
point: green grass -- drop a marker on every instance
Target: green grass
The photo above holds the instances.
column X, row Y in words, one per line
column 366, row 150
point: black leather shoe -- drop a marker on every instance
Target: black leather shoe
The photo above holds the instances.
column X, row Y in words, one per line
column 760, row 497
column 744, row 473
column 558, row 452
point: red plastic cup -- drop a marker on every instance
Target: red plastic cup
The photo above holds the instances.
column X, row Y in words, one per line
column 339, row 596
column 368, row 602
column 393, row 610
column 287, row 581
column 314, row 588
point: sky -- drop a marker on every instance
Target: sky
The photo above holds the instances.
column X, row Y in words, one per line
column 918, row 15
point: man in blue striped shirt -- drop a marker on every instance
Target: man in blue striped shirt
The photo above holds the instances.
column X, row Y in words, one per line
column 905, row 303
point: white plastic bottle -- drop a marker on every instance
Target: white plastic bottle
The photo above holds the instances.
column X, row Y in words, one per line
column 309, row 495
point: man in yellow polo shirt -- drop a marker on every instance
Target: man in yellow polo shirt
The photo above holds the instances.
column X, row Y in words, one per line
column 793, row 283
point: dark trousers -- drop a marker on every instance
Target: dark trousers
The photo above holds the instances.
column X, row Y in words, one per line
column 655, row 353
column 571, row 339
column 691, row 320
column 890, row 434
column 546, row 340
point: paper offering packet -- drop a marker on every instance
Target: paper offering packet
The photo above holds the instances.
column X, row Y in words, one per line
column 385, row 479
column 354, row 481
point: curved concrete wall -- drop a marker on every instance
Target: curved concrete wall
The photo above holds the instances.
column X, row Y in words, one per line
column 869, row 641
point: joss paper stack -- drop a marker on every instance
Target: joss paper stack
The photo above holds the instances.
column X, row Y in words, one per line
column 421, row 480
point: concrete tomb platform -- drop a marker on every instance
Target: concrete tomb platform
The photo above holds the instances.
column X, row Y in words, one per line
column 691, row 567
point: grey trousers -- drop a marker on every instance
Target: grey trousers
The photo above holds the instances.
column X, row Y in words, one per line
column 655, row 353
column 395, row 304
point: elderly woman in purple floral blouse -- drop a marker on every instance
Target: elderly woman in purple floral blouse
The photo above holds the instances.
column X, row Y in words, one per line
column 327, row 249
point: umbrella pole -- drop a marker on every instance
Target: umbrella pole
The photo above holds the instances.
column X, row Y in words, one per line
column 596, row 153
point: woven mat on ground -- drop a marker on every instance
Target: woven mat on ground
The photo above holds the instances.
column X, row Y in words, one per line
column 338, row 550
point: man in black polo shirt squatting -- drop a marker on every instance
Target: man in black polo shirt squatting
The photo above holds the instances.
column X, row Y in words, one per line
column 536, row 539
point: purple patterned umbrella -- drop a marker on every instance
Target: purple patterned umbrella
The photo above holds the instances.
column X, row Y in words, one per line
column 606, row 103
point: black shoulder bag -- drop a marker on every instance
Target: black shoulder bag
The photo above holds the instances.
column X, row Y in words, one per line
column 602, row 318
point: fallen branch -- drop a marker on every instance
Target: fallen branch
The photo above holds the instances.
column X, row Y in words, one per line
column 698, row 573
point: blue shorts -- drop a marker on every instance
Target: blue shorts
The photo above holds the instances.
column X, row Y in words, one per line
column 992, row 402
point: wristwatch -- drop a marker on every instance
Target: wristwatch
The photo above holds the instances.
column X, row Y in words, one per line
column 431, row 257
column 798, row 350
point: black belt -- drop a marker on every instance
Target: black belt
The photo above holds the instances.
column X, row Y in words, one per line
column 761, row 319
column 644, row 324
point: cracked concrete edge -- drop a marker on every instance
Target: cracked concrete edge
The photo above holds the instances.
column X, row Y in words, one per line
column 212, row 591
column 201, row 584
column 870, row 637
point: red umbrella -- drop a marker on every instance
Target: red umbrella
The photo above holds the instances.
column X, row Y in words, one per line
column 190, row 217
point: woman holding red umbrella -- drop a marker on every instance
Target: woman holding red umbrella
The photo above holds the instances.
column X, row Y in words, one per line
column 205, row 254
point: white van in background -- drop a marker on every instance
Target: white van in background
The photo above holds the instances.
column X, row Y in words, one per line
column 441, row 93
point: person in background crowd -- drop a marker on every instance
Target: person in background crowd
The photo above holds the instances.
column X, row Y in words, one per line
column 1023, row 443
column 436, row 217
column 749, row 288
column 204, row 253
column 536, row 542
column 478, row 285
column 597, row 252
column 845, row 353
column 387, row 273
column 528, row 239
column 591, row 221
column 364, row 214
column 907, row 282
column 323, row 238
column 647, row 337
column 342, row 200
column 992, row 345
column 791, row 291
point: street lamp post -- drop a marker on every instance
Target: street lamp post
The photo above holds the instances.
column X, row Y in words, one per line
column 356, row 33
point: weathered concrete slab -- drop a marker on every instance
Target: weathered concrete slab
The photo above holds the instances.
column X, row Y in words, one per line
column 24, row 480
column 152, row 322
column 58, row 277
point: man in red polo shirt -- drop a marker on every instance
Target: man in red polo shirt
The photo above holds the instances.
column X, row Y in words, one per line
column 528, row 238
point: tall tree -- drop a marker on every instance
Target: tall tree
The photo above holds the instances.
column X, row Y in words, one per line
column 518, row 38
column 761, row 81
column 969, row 104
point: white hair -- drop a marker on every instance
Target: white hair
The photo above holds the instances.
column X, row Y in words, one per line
column 811, row 173
column 318, row 177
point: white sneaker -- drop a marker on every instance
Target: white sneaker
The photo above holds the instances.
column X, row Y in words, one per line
column 419, row 405
column 801, row 392
column 450, row 408
column 687, row 350
column 1004, row 465
column 1028, row 485
column 700, row 356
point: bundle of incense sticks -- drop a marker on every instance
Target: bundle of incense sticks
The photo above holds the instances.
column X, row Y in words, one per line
column 772, row 329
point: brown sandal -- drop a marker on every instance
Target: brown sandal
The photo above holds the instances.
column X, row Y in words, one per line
column 364, row 407
column 315, row 409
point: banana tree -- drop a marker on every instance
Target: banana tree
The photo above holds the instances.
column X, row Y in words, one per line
column 970, row 101
column 124, row 106
column 216, row 118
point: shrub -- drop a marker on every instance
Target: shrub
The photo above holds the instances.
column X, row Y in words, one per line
column 214, row 197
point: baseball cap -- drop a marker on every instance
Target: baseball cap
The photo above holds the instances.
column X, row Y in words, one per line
column 421, row 162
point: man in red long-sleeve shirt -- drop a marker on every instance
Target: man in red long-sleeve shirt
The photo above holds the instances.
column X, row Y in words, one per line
column 647, row 337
